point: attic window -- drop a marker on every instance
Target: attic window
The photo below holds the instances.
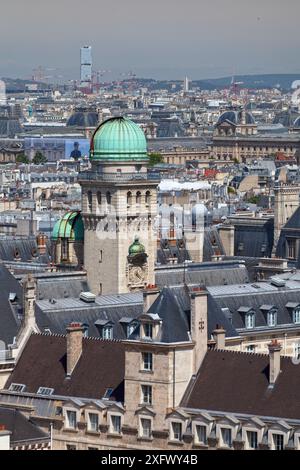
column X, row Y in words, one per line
column 240, row 246
column 148, row 330
column 45, row 391
column 131, row 328
column 108, row 393
column 107, row 332
column 17, row 387
column 296, row 315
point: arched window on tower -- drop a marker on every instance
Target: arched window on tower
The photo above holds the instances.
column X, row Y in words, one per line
column 90, row 201
column 129, row 199
column 148, row 198
column 99, row 198
column 108, row 198
column 138, row 197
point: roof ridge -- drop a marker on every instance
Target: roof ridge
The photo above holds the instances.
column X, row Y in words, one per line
column 94, row 338
column 248, row 353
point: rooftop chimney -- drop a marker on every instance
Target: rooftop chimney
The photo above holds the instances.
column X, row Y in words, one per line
column 274, row 360
column 150, row 294
column 41, row 241
column 74, row 345
column 219, row 337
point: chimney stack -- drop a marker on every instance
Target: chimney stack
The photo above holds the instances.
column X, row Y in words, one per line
column 219, row 337
column 274, row 360
column 29, row 293
column 150, row 294
column 198, row 324
column 41, row 241
column 74, row 345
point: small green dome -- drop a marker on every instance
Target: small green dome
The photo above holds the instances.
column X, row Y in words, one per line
column 70, row 226
column 136, row 247
column 118, row 138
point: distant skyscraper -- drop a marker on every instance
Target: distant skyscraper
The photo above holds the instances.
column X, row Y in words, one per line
column 2, row 93
column 85, row 66
column 186, row 83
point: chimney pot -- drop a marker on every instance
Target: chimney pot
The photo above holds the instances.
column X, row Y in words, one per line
column 74, row 345
column 274, row 360
column 219, row 337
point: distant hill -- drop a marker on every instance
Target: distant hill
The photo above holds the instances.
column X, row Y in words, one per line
column 17, row 85
column 283, row 81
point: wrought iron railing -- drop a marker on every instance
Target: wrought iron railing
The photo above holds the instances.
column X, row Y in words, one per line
column 117, row 177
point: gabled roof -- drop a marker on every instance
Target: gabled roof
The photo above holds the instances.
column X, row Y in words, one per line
column 43, row 363
column 9, row 320
column 235, row 382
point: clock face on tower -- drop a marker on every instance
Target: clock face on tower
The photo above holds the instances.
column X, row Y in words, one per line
column 137, row 266
column 137, row 275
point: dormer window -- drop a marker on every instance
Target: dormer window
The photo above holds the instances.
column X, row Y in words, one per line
column 249, row 316
column 148, row 330
column 296, row 315
column 107, row 332
column 272, row 318
column 129, row 325
column 105, row 328
column 131, row 328
column 294, row 310
column 71, row 419
column 270, row 312
column 250, row 320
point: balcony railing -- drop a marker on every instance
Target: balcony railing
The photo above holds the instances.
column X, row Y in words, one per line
column 117, row 177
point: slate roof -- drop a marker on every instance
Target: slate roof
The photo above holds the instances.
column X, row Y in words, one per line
column 173, row 307
column 249, row 296
column 212, row 243
column 204, row 274
column 213, row 388
column 57, row 316
column 43, row 364
column 253, row 239
column 294, row 220
column 60, row 287
column 21, row 428
column 290, row 229
column 26, row 248
column 9, row 310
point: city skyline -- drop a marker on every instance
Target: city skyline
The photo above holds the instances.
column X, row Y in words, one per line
column 166, row 40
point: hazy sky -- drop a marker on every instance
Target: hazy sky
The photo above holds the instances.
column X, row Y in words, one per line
column 153, row 38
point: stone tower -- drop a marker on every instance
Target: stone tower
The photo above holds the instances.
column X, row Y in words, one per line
column 286, row 201
column 118, row 210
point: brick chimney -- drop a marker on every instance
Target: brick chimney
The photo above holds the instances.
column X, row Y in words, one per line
column 41, row 241
column 150, row 294
column 274, row 360
column 74, row 345
column 219, row 337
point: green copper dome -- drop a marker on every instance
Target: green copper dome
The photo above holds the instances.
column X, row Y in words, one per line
column 136, row 247
column 70, row 226
column 118, row 139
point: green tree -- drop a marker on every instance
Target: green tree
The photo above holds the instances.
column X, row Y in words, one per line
column 21, row 158
column 253, row 199
column 39, row 158
column 155, row 159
